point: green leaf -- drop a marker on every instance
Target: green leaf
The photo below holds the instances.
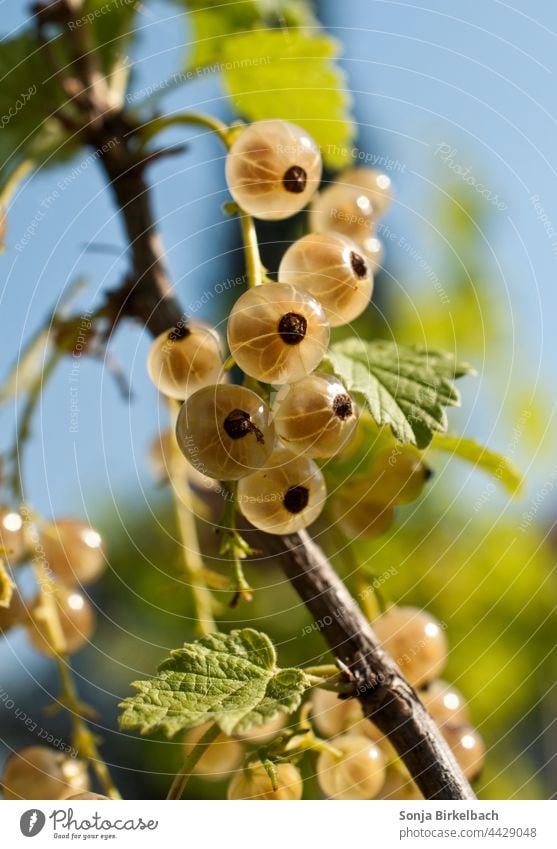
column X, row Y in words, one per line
column 484, row 458
column 405, row 388
column 292, row 74
column 231, row 679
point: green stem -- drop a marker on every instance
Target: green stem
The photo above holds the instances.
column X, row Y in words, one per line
column 254, row 266
column 157, row 125
column 181, row 779
column 18, row 174
column 238, row 549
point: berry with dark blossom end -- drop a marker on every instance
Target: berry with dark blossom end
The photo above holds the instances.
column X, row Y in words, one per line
column 332, row 269
column 273, row 168
column 225, row 432
column 277, row 333
column 316, row 416
column 288, row 494
column 185, row 358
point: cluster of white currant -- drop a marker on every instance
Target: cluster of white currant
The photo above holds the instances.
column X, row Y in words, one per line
column 69, row 553
column 278, row 333
column 359, row 762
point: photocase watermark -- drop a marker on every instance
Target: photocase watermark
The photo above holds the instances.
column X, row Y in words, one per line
column 546, row 222
column 448, row 156
column 42, row 733
column 51, row 199
column 364, row 157
column 18, row 105
column 548, row 488
column 99, row 12
column 389, row 235
column 196, row 73
column 82, row 331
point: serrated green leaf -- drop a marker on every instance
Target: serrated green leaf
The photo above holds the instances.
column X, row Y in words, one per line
column 405, row 388
column 292, row 74
column 481, row 457
column 231, row 679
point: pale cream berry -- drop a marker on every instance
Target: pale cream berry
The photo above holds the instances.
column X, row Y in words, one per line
column 73, row 550
column 316, row 416
column 374, row 251
column 185, row 358
column 333, row 270
column 38, row 772
column 345, row 210
column 374, row 183
column 415, row 640
column 445, row 704
column 468, row 748
column 399, row 785
column 225, row 432
column 331, row 715
column 87, row 797
column 361, row 516
column 359, row 772
column 252, row 782
column 288, row 494
column 277, row 333
column 166, row 461
column 273, row 168
column 76, row 617
column 258, row 734
column 12, row 535
column 222, row 757
column 398, row 475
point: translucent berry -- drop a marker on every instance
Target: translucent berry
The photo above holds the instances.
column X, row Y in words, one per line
column 331, row 715
column 12, row 535
column 333, row 270
column 73, row 551
column 345, row 210
column 273, row 169
column 373, row 183
column 163, row 460
column 258, row 734
column 399, row 475
column 374, row 251
column 87, row 797
column 185, row 358
column 445, row 704
column 38, row 772
column 316, row 416
column 399, row 785
column 359, row 515
column 416, row 642
column 285, row 496
column 277, row 333
column 77, row 622
column 225, row 431
column 222, row 757
column 468, row 748
column 252, row 782
column 358, row 773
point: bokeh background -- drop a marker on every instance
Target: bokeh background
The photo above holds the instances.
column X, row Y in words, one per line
column 438, row 89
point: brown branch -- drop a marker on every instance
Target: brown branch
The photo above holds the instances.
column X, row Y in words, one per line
column 386, row 697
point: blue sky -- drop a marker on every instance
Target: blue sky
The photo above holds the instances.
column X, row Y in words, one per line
column 476, row 77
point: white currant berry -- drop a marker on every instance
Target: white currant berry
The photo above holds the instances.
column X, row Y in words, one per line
column 359, row 772
column 273, row 168
column 277, row 333
column 331, row 715
column 222, row 757
column 164, row 463
column 12, row 535
column 399, row 785
column 362, row 515
column 87, row 797
column 253, row 782
column 415, row 640
column 445, row 704
column 185, row 358
column 345, row 210
column 225, row 431
column 332, row 269
column 38, row 772
column 398, row 475
column 375, row 184
column 288, row 494
column 467, row 746
column 258, row 734
column 73, row 551
column 77, row 622
column 316, row 416
column 374, row 251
